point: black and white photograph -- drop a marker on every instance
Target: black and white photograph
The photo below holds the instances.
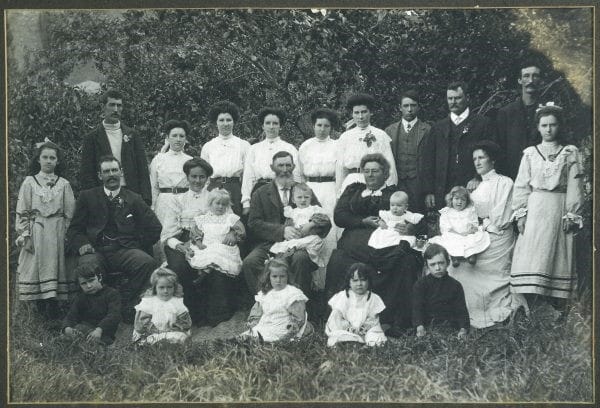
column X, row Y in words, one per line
column 284, row 205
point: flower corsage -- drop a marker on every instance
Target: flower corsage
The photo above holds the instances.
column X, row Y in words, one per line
column 369, row 138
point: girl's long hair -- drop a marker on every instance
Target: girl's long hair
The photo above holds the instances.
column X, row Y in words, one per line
column 168, row 274
column 363, row 271
column 34, row 164
column 277, row 262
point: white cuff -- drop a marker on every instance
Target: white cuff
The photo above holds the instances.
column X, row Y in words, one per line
column 519, row 213
column 574, row 218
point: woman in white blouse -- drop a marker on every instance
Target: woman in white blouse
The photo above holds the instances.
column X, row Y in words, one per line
column 363, row 139
column 166, row 169
column 257, row 169
column 486, row 284
column 316, row 161
column 226, row 153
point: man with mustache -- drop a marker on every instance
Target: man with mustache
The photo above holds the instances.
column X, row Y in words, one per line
column 514, row 122
column 113, row 228
column 114, row 138
column 446, row 152
column 266, row 223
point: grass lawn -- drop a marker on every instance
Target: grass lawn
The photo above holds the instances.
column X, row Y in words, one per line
column 533, row 360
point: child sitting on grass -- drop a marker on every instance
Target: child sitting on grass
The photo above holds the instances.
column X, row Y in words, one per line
column 386, row 236
column 95, row 312
column 355, row 311
column 161, row 315
column 280, row 309
column 461, row 235
column 437, row 297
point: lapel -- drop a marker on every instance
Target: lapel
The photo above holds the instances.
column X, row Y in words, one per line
column 274, row 197
column 126, row 146
column 102, row 140
column 101, row 199
column 446, row 127
column 421, row 130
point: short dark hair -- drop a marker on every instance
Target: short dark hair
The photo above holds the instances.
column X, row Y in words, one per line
column 433, row 250
column 107, row 158
column 111, row 93
column 34, row 164
column 378, row 158
column 325, row 113
column 410, row 93
column 197, row 162
column 276, row 262
column 454, row 85
column 364, row 271
column 224, row 107
column 280, row 154
column 361, row 99
column 490, row 148
column 174, row 123
column 269, row 110
column 322, row 224
column 88, row 270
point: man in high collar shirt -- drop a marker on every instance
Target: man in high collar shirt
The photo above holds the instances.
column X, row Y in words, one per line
column 446, row 152
column 114, row 138
column 514, row 122
column 407, row 136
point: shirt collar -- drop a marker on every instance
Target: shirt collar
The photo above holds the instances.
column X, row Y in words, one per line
column 174, row 153
column 489, row 175
column 272, row 141
column 412, row 123
column 327, row 139
column 226, row 138
column 111, row 126
column 457, row 119
column 109, row 193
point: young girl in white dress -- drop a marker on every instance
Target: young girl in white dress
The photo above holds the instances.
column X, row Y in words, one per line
column 44, row 210
column 161, row 315
column 215, row 236
column 386, row 235
column 355, row 311
column 279, row 313
column 461, row 234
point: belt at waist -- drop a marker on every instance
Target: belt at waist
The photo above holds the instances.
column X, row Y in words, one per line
column 220, row 179
column 354, row 170
column 556, row 190
column 320, row 179
column 175, row 190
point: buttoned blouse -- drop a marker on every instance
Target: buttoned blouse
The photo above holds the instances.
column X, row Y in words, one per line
column 318, row 157
column 493, row 201
column 166, row 171
column 226, row 155
column 258, row 164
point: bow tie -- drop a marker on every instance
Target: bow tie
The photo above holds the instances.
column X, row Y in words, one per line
column 371, row 193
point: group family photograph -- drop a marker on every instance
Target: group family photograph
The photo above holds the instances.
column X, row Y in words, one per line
column 297, row 205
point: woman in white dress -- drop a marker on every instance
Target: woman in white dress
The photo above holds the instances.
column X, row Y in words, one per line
column 166, row 169
column 486, row 284
column 316, row 161
column 257, row 168
column 353, row 144
column 547, row 201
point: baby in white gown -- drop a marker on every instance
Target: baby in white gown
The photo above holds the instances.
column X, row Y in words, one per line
column 386, row 235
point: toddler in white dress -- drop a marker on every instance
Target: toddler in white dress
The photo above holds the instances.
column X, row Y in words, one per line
column 461, row 234
column 386, row 235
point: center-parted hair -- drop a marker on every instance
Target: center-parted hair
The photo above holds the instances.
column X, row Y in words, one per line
column 167, row 274
column 276, row 262
column 459, row 191
column 363, row 271
column 34, row 164
column 325, row 113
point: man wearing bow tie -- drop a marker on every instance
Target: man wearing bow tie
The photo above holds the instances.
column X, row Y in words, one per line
column 446, row 159
column 113, row 227
column 266, row 222
column 114, row 138
column 407, row 136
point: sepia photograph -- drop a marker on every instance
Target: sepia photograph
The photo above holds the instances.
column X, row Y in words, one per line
column 263, row 205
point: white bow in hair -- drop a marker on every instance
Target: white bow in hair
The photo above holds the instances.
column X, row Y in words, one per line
column 46, row 140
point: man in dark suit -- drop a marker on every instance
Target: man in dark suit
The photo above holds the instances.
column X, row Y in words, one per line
column 114, row 138
column 407, row 135
column 514, row 122
column 266, row 222
column 446, row 159
column 111, row 228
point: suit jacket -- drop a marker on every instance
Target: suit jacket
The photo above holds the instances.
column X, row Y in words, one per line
column 137, row 225
column 420, row 131
column 513, row 136
column 436, row 151
column 266, row 219
column 133, row 161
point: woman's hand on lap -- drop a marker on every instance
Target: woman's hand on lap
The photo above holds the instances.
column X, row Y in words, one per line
column 521, row 224
column 371, row 221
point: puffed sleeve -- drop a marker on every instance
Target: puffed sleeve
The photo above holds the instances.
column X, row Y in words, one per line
column 171, row 224
column 296, row 295
column 574, row 197
column 445, row 223
column 376, row 305
column 249, row 178
column 154, row 178
column 522, row 188
column 338, row 301
column 68, row 203
column 340, row 170
column 387, row 153
column 501, row 209
column 302, row 152
column 24, row 206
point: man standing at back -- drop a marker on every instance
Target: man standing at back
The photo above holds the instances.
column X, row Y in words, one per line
column 407, row 136
column 446, row 159
column 514, row 122
column 114, row 138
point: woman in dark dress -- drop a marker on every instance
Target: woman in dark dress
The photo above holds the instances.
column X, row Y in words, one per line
column 395, row 269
